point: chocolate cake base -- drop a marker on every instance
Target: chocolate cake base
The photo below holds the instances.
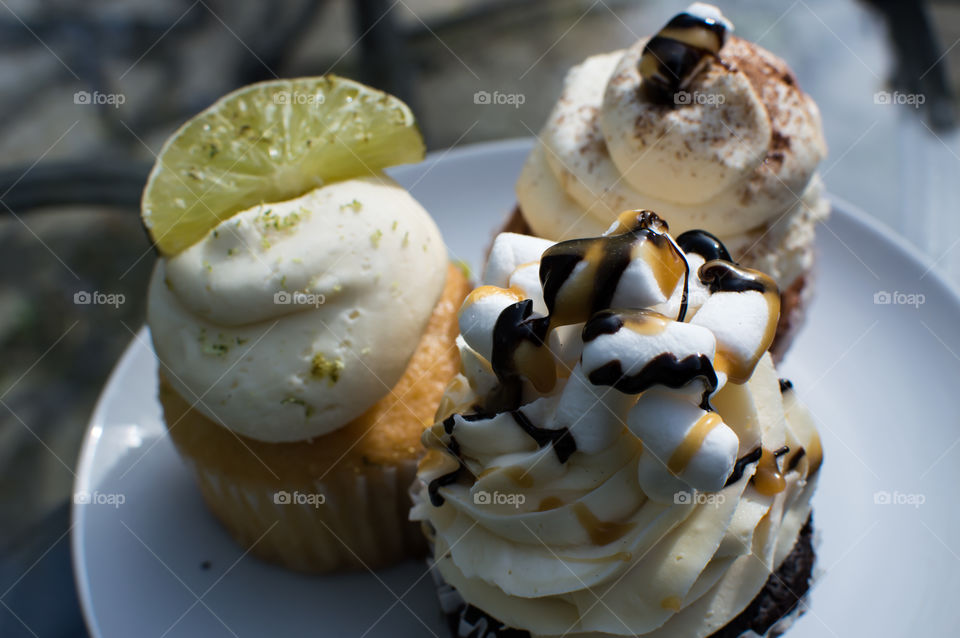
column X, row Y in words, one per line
column 779, row 598
column 793, row 299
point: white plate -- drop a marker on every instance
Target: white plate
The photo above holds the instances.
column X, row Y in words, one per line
column 881, row 379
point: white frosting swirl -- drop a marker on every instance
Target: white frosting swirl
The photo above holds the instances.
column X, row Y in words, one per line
column 290, row 319
column 640, row 511
column 739, row 156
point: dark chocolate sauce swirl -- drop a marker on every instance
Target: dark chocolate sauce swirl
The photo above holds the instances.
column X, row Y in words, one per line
column 605, row 322
column 795, row 459
column 516, row 325
column 453, row 447
column 741, row 465
column 611, row 253
column 723, row 276
column 664, row 369
column 684, row 21
column 702, row 243
column 562, row 441
column 433, row 488
column 676, row 54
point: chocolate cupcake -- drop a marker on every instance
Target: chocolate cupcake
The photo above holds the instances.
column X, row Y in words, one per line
column 618, row 456
column 707, row 129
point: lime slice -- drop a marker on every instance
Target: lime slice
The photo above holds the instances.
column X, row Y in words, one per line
column 270, row 142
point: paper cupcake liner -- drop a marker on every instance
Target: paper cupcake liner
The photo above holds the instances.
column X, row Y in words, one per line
column 357, row 522
column 466, row 621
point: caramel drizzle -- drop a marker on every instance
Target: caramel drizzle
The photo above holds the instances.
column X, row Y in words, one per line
column 692, row 442
column 600, row 532
column 574, row 297
column 519, row 350
column 768, row 479
column 815, row 454
column 723, row 276
column 550, row 503
column 520, row 335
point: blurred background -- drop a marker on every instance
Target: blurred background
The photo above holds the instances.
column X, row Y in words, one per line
column 89, row 89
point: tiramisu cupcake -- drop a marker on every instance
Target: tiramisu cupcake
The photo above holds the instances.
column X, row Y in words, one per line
column 304, row 341
column 619, row 457
column 707, row 129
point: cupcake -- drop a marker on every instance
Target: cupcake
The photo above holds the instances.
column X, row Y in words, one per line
column 618, row 456
column 707, row 129
column 304, row 342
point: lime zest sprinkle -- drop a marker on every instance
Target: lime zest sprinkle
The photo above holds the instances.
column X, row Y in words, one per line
column 323, row 368
column 307, row 408
column 355, row 205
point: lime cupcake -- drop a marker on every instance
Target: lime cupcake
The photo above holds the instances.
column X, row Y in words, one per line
column 303, row 312
column 619, row 457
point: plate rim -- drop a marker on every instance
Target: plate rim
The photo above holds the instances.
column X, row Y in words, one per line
column 97, row 421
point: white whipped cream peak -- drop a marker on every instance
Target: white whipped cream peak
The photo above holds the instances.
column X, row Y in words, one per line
column 732, row 147
column 588, row 449
column 624, row 353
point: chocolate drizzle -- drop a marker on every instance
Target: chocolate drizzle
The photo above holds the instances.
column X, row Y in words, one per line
column 433, row 488
column 683, row 21
column 795, row 459
column 741, row 465
column 684, row 300
column 723, row 276
column 678, row 52
column 608, row 256
column 705, row 244
column 561, row 439
column 516, row 325
column 664, row 369
column 579, row 280
column 605, row 322
column 453, row 448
